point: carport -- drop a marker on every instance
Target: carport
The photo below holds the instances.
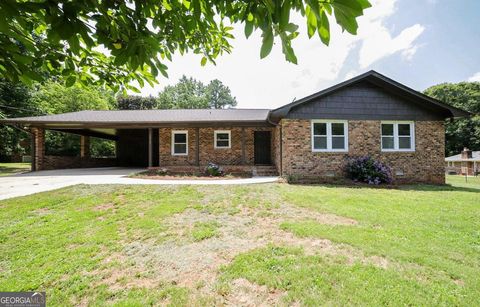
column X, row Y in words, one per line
column 134, row 142
column 182, row 140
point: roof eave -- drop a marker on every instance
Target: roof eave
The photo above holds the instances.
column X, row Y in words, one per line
column 78, row 124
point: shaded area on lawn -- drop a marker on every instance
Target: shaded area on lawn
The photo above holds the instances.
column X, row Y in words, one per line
column 13, row 168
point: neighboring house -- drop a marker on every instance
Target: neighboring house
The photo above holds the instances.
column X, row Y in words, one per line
column 465, row 163
column 310, row 139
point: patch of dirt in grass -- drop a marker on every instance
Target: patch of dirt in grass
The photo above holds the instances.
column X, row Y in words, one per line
column 245, row 293
column 246, row 219
column 289, row 212
column 181, row 261
column 459, row 282
column 104, row 207
column 42, row 211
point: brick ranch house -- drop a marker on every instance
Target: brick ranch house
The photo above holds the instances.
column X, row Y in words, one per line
column 465, row 163
column 310, row 139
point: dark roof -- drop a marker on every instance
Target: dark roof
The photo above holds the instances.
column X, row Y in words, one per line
column 383, row 82
column 475, row 157
column 148, row 117
column 226, row 116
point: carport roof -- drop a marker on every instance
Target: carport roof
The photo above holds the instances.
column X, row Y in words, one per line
column 146, row 117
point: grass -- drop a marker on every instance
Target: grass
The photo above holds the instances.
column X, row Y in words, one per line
column 64, row 241
column 459, row 181
column 204, row 230
column 13, row 168
column 52, row 240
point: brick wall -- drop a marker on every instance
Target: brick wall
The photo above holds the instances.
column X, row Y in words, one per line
column 39, row 143
column 165, row 147
column 63, row 162
column 235, row 155
column 425, row 164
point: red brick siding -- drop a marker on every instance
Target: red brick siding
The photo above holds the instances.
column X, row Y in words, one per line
column 425, row 164
column 207, row 151
column 64, row 162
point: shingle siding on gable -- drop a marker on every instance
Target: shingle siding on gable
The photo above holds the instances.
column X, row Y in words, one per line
column 363, row 101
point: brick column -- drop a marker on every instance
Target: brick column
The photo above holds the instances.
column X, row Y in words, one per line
column 84, row 146
column 39, row 143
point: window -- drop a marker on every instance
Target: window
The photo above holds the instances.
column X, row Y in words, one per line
column 179, row 143
column 222, row 138
column 329, row 135
column 398, row 136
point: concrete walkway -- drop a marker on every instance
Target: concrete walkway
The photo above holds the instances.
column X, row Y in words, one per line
column 34, row 182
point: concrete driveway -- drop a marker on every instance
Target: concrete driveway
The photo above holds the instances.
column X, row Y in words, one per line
column 34, row 182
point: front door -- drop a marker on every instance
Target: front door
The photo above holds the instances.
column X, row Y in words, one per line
column 262, row 147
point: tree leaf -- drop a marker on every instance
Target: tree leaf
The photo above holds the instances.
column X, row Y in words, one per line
column 285, row 14
column 291, row 27
column 324, row 29
column 311, row 21
column 70, row 81
column 267, row 43
column 248, row 28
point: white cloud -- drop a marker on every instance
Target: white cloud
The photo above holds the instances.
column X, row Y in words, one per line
column 271, row 82
column 376, row 39
column 475, row 77
column 408, row 54
column 380, row 44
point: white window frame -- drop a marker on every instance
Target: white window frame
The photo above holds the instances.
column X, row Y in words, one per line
column 396, row 136
column 222, row 132
column 174, row 132
column 329, row 134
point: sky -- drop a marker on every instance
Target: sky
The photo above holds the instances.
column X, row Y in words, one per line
column 419, row 43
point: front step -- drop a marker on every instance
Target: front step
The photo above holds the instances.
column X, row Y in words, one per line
column 264, row 170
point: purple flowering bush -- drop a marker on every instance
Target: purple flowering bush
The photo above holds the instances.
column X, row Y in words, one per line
column 214, row 170
column 366, row 169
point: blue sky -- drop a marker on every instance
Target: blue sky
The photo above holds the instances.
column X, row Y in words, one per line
column 416, row 42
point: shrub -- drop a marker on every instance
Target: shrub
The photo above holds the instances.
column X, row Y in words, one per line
column 366, row 169
column 213, row 169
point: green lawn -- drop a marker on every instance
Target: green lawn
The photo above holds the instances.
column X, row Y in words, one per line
column 13, row 168
column 272, row 244
column 461, row 181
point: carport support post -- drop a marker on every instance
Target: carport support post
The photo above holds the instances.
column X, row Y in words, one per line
column 39, row 146
column 84, row 146
column 150, row 147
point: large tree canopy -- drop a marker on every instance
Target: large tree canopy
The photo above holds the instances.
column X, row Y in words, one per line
column 115, row 42
column 133, row 102
column 53, row 98
column 14, row 102
column 190, row 93
column 462, row 132
column 219, row 95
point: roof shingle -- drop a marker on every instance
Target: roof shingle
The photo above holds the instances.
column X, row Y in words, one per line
column 149, row 116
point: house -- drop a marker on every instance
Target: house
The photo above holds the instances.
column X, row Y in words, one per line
column 310, row 139
column 465, row 163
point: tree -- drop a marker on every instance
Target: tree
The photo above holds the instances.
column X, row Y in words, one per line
column 133, row 102
column 188, row 93
column 115, row 42
column 219, row 96
column 14, row 102
column 54, row 97
column 462, row 132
